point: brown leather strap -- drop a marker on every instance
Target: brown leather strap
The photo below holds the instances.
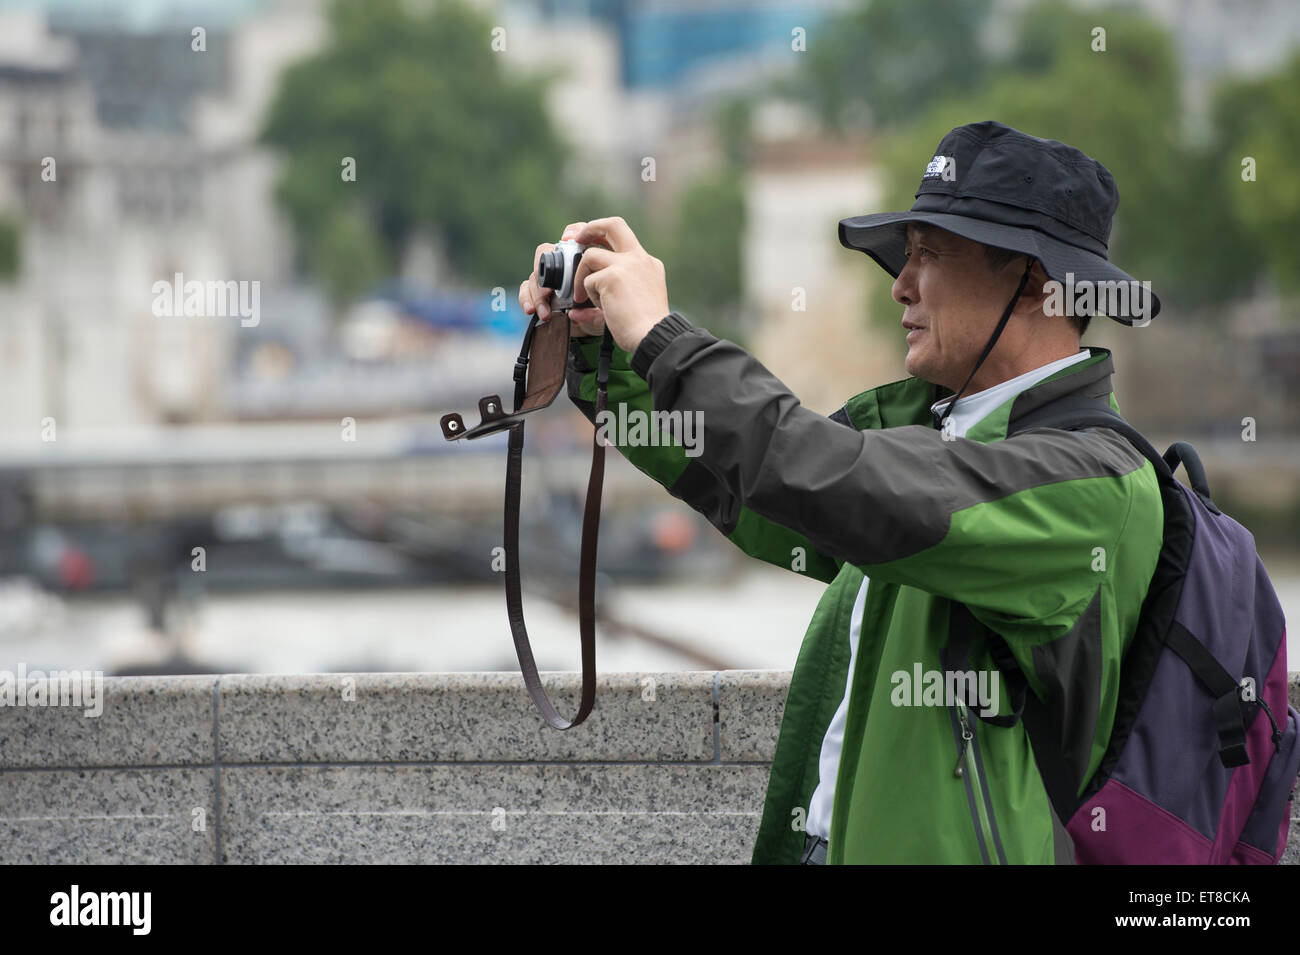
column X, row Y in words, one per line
column 587, row 560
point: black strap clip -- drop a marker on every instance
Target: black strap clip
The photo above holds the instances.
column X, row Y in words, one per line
column 1232, row 729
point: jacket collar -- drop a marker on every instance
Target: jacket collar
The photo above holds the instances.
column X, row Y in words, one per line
column 908, row 401
column 1089, row 378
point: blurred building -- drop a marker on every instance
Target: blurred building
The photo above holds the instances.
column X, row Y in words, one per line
column 124, row 164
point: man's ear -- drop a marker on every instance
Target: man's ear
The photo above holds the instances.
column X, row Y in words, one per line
column 1036, row 290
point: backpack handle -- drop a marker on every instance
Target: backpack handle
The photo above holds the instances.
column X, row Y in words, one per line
column 1180, row 452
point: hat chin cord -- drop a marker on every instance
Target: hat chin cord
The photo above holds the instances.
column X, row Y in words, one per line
column 993, row 340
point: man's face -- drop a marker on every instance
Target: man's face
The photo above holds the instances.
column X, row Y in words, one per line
column 953, row 302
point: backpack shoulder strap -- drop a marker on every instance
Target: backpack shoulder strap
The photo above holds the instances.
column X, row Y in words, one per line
column 1076, row 412
column 1068, row 413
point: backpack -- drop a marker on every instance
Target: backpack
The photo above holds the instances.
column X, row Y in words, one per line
column 1203, row 755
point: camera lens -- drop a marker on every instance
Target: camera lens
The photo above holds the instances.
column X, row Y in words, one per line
column 550, row 270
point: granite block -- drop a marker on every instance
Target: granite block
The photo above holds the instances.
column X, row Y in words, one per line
column 750, row 705
column 575, row 813
column 1291, row 854
column 145, row 721
column 461, row 717
column 108, row 816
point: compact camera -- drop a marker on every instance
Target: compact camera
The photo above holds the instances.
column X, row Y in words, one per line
column 556, row 269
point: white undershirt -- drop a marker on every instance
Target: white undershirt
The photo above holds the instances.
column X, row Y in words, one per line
column 965, row 413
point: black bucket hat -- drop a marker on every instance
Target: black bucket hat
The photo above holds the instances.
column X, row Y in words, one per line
column 999, row 186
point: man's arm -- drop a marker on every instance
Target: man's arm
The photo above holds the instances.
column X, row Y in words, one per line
column 685, row 477
column 1009, row 528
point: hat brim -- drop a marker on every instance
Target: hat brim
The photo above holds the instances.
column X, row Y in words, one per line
column 883, row 236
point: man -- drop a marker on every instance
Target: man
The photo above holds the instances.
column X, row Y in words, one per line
column 916, row 500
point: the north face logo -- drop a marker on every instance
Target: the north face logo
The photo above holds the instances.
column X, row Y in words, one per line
column 942, row 167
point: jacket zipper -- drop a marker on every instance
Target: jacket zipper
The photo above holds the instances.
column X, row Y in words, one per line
column 964, row 746
column 968, row 768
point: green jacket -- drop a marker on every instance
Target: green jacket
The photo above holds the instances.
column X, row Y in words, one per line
column 1049, row 537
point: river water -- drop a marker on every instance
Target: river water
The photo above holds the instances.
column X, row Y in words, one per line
column 755, row 621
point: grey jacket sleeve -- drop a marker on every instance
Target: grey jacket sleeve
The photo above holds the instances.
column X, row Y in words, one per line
column 866, row 497
column 684, row 476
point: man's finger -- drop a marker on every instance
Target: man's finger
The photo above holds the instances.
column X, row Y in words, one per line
column 570, row 230
column 586, row 321
column 612, row 231
column 536, row 292
column 593, row 260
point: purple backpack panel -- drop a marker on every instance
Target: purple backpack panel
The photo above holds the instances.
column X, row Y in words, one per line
column 1169, row 798
column 1204, row 750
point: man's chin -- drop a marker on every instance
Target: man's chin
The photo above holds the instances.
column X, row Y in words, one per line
column 914, row 363
column 918, row 366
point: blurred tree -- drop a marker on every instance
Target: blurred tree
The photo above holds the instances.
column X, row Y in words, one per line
column 702, row 257
column 701, row 245
column 10, row 248
column 883, row 60
column 1174, row 225
column 733, row 124
column 352, row 258
column 1260, row 119
column 442, row 135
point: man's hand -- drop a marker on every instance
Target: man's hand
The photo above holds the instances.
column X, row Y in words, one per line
column 535, row 298
column 621, row 280
column 615, row 272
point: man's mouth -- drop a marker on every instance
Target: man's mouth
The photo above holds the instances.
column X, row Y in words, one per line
column 913, row 329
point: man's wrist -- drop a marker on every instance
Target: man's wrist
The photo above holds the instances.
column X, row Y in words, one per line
column 656, row 340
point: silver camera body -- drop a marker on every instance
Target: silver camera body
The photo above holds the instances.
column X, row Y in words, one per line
column 556, row 269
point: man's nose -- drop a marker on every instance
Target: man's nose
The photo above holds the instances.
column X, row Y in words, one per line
column 904, row 290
